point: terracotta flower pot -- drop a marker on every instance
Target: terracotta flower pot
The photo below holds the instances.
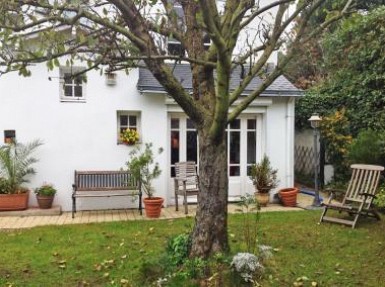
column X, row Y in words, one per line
column 17, row 201
column 45, row 202
column 153, row 206
column 289, row 196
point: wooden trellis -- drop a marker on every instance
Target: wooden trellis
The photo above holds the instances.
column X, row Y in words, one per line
column 304, row 160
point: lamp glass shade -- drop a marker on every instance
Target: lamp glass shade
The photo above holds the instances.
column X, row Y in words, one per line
column 315, row 121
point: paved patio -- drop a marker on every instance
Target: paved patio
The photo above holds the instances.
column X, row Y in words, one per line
column 37, row 217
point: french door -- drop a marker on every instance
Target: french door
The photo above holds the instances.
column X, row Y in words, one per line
column 243, row 148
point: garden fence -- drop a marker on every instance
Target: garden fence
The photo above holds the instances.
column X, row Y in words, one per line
column 304, row 160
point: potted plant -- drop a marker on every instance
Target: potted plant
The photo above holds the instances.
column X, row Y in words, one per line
column 129, row 136
column 45, row 195
column 141, row 164
column 15, row 167
column 264, row 178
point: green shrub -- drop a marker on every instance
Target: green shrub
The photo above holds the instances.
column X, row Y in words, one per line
column 380, row 197
column 178, row 248
column 336, row 136
column 45, row 190
column 367, row 148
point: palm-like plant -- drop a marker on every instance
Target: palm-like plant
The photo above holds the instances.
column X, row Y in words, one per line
column 16, row 164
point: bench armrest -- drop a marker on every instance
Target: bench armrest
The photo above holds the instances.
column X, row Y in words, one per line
column 183, row 179
column 367, row 195
column 333, row 193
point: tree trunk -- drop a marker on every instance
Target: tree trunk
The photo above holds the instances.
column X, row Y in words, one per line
column 209, row 235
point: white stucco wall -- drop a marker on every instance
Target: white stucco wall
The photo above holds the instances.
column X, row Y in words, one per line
column 83, row 136
column 79, row 136
column 279, row 127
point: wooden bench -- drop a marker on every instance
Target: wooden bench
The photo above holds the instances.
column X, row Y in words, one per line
column 105, row 184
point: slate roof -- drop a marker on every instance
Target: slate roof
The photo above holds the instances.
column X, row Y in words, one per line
column 280, row 87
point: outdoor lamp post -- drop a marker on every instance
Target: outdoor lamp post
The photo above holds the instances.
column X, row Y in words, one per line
column 315, row 122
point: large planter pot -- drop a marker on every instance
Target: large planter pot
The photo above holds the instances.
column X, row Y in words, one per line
column 262, row 198
column 153, row 206
column 17, row 201
column 288, row 196
column 44, row 201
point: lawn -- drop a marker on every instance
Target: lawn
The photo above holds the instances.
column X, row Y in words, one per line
column 110, row 254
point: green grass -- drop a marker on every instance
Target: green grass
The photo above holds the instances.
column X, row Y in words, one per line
column 107, row 254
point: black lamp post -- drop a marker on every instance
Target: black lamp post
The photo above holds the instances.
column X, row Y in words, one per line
column 315, row 121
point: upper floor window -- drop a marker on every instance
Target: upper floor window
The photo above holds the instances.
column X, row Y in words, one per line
column 72, row 85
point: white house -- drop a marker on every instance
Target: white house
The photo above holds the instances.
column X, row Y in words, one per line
column 80, row 123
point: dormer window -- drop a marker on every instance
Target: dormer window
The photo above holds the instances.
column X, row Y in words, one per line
column 175, row 48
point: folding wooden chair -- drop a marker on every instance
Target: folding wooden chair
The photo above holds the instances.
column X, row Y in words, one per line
column 186, row 182
column 359, row 195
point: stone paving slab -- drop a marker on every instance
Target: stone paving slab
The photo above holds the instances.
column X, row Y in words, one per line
column 37, row 217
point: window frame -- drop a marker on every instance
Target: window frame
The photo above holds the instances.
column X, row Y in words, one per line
column 72, row 70
column 138, row 125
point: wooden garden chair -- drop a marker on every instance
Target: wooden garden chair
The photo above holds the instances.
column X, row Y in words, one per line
column 186, row 182
column 359, row 195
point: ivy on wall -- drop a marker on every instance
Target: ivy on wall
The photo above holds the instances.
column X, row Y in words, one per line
column 355, row 60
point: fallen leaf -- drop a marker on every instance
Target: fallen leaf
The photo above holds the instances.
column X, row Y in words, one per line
column 302, row 278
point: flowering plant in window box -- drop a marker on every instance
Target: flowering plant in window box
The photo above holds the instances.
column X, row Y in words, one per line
column 129, row 136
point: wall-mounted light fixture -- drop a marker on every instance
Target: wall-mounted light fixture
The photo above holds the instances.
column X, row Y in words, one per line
column 110, row 78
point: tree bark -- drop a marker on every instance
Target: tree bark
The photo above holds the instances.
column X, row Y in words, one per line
column 209, row 235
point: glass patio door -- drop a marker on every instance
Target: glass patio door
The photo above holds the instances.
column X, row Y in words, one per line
column 243, row 146
column 183, row 141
